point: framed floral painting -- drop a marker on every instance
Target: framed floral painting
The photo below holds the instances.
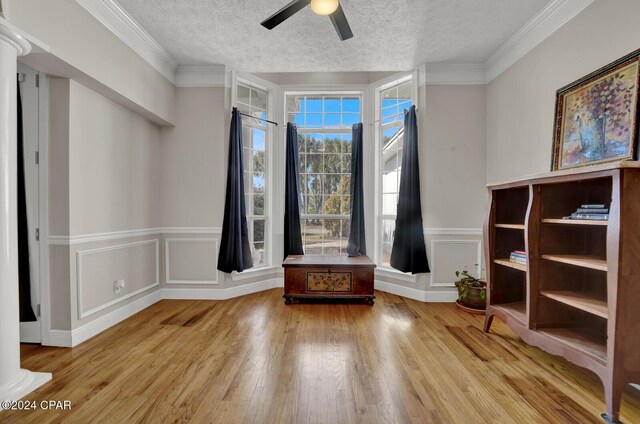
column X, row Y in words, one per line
column 597, row 116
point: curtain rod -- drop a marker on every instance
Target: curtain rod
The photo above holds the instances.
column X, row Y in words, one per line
column 259, row 119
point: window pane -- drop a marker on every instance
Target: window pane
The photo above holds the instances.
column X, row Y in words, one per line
column 295, row 103
column 386, row 253
column 258, row 183
column 332, row 163
column 346, row 205
column 258, row 137
column 314, row 183
column 258, row 161
column 243, row 95
column 314, row 120
column 332, row 120
column 259, row 99
column 258, row 254
column 346, row 142
column 390, row 182
column 348, row 119
column 332, row 104
column 258, row 230
column 258, row 204
column 314, row 204
column 350, row 104
column 346, row 163
column 388, row 229
column 332, row 143
column 313, row 104
column 389, row 204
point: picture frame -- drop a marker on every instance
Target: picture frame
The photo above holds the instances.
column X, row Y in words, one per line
column 596, row 117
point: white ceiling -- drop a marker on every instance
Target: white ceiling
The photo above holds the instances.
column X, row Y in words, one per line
column 389, row 35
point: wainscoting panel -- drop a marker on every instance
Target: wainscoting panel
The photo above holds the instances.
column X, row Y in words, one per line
column 191, row 260
column 97, row 270
column 449, row 256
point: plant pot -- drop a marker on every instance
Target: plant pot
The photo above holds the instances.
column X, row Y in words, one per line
column 473, row 299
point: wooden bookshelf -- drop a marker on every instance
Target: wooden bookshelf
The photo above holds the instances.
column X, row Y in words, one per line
column 508, row 263
column 578, row 295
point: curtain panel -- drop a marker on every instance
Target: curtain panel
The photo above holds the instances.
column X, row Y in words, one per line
column 408, row 252
column 235, row 252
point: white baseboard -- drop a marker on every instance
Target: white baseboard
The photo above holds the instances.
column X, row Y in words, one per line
column 64, row 338
column 221, row 294
column 415, row 294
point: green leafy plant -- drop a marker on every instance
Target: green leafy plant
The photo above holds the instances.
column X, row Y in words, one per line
column 466, row 281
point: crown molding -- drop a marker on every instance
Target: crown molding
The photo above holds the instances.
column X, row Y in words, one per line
column 546, row 22
column 201, row 76
column 127, row 29
column 452, row 74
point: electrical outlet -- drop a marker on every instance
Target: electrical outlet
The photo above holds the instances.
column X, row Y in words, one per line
column 118, row 285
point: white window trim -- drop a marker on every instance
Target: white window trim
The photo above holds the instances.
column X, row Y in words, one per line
column 360, row 91
column 270, row 165
column 378, row 87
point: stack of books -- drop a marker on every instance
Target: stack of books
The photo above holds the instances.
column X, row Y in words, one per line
column 597, row 212
column 519, row 257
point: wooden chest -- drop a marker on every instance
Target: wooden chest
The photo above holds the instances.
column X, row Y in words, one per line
column 339, row 277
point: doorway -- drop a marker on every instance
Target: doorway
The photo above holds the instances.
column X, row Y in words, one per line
column 31, row 332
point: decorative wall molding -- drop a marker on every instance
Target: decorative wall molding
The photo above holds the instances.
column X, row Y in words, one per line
column 115, row 235
column 416, row 294
column 167, row 260
column 201, row 76
column 433, row 231
column 452, row 74
column 119, row 22
column 434, row 259
column 546, row 22
column 79, row 282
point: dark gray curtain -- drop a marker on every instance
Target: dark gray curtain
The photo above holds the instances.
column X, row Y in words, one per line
column 292, row 231
column 235, row 253
column 408, row 253
column 24, row 272
column 357, row 244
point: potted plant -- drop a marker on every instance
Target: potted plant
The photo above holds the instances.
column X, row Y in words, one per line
column 472, row 292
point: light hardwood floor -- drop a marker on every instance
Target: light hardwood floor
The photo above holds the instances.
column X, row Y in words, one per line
column 255, row 360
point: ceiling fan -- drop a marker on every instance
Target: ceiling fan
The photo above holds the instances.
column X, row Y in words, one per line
column 332, row 8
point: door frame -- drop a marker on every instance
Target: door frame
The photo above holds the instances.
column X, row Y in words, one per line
column 43, row 160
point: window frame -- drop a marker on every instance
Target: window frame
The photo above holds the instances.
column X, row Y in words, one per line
column 270, row 133
column 360, row 94
column 378, row 127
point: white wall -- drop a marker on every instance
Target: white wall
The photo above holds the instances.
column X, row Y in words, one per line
column 105, row 178
column 194, row 159
column 521, row 101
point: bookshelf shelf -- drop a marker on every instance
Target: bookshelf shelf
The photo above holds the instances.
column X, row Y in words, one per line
column 516, row 309
column 575, row 222
column 579, row 260
column 508, row 263
column 580, row 339
column 579, row 275
column 579, row 300
column 511, row 226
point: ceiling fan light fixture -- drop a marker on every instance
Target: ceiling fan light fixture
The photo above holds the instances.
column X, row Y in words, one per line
column 324, row 7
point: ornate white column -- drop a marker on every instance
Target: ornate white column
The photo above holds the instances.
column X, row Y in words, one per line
column 14, row 381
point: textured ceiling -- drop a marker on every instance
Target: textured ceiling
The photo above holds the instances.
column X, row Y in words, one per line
column 389, row 34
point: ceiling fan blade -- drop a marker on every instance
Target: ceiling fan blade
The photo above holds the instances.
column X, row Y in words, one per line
column 285, row 13
column 340, row 23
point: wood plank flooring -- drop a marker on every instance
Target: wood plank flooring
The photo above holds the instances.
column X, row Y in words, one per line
column 255, row 360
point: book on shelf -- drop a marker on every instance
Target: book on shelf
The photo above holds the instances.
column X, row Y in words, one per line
column 590, row 216
column 593, row 210
column 518, row 257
